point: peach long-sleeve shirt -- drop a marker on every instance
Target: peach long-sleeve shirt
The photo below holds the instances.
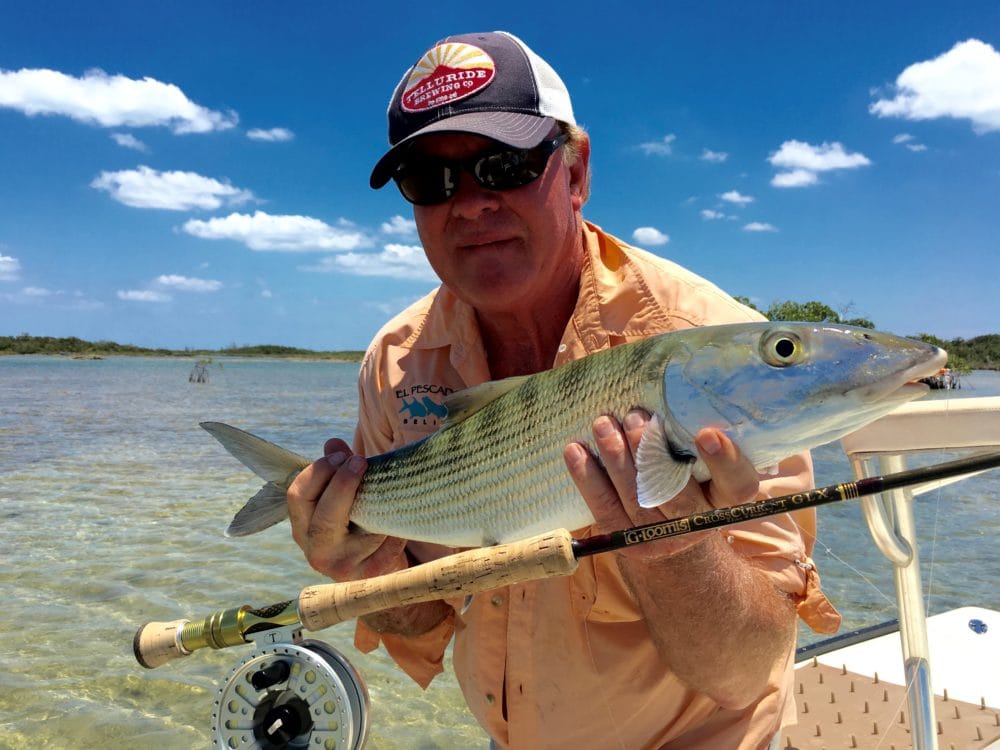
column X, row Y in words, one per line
column 568, row 662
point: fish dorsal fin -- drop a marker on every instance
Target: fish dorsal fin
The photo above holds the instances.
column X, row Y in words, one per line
column 662, row 470
column 267, row 460
column 463, row 404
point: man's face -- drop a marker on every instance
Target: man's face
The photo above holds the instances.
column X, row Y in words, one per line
column 504, row 251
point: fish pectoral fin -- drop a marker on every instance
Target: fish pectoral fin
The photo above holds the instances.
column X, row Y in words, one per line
column 268, row 507
column 265, row 459
column 463, row 404
column 662, row 471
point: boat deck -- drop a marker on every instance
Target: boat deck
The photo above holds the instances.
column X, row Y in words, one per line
column 854, row 697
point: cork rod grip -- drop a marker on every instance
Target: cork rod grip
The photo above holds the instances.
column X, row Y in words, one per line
column 543, row 556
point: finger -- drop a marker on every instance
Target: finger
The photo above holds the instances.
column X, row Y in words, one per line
column 304, row 493
column 331, row 515
column 634, row 426
column 336, row 445
column 616, row 455
column 595, row 487
column 734, row 479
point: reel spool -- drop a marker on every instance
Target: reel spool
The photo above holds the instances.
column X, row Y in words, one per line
column 291, row 694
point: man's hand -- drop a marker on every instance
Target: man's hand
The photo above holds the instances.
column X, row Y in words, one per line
column 610, row 491
column 683, row 583
column 319, row 506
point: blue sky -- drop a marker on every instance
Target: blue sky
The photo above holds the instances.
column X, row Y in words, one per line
column 195, row 174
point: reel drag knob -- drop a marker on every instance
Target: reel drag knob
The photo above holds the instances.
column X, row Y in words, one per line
column 293, row 695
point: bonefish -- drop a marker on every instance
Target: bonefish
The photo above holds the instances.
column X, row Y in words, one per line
column 495, row 473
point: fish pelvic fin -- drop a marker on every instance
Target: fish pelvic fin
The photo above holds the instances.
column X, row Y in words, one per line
column 662, row 468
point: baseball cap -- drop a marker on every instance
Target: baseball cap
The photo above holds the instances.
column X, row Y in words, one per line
column 490, row 84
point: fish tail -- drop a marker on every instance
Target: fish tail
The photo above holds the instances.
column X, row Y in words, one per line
column 272, row 463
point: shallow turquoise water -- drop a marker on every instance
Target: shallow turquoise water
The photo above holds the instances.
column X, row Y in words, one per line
column 113, row 502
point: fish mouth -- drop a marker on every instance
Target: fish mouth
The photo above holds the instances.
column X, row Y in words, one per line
column 902, row 386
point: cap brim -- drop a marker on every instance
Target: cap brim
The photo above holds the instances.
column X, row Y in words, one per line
column 510, row 128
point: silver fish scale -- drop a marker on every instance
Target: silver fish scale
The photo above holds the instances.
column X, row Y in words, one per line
column 499, row 474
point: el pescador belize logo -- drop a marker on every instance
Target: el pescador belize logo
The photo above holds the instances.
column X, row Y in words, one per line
column 445, row 74
column 422, row 404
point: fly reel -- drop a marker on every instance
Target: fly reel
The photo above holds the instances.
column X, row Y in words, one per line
column 291, row 693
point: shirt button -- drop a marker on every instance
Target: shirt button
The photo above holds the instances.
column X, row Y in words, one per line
column 562, row 348
column 497, row 600
column 491, row 699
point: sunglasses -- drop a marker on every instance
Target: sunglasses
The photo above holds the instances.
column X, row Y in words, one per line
column 428, row 180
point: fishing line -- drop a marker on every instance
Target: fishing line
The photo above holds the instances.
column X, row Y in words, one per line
column 857, row 571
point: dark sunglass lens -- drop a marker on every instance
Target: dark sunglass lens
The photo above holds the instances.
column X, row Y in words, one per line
column 502, row 170
column 426, row 183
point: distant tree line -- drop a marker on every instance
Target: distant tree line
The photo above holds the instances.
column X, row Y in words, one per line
column 979, row 353
column 25, row 344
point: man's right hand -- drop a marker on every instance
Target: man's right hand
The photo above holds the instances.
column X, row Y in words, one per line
column 319, row 505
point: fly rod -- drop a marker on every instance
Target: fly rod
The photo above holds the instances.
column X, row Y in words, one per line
column 548, row 555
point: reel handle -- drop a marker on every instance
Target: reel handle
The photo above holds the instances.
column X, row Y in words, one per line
column 470, row 572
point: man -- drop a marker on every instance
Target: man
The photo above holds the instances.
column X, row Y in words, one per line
column 685, row 643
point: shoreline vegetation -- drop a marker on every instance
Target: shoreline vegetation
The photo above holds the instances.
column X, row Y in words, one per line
column 80, row 349
column 978, row 353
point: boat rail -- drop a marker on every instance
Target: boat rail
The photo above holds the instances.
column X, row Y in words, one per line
column 965, row 425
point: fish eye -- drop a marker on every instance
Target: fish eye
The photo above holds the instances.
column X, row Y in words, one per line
column 781, row 349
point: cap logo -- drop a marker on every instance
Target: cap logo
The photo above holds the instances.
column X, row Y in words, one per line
column 445, row 74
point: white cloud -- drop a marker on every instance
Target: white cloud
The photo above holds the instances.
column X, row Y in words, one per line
column 650, row 236
column 963, row 83
column 143, row 295
column 262, row 231
column 109, row 101
column 395, row 261
column 822, row 158
column 55, row 299
column 10, row 268
column 711, row 215
column 758, row 226
column 802, row 161
column 272, row 135
column 127, row 140
column 795, row 178
column 663, row 147
column 175, row 191
column 188, row 284
column 399, row 225
column 734, row 196
column 716, row 157
column 909, row 141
